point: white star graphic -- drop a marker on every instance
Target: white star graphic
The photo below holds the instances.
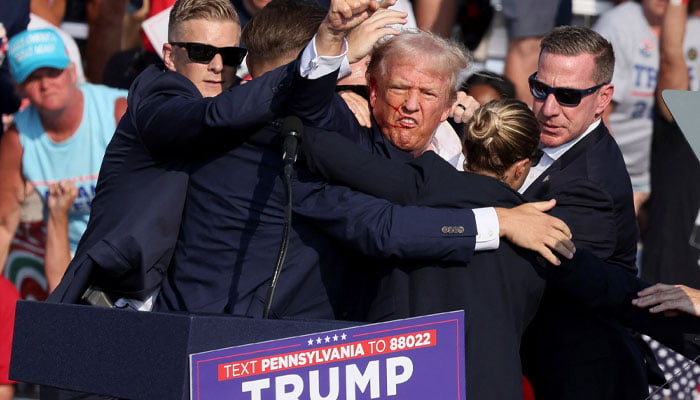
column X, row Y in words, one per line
column 318, row 340
column 327, row 339
column 310, row 342
column 335, row 338
column 343, row 336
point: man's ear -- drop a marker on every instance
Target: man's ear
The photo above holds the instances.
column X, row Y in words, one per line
column 604, row 98
column 168, row 56
column 445, row 114
column 372, row 92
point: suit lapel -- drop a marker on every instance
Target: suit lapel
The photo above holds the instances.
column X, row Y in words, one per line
column 540, row 186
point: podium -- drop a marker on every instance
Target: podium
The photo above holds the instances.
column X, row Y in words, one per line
column 129, row 354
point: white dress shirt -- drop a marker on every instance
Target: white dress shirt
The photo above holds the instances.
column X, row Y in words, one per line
column 551, row 154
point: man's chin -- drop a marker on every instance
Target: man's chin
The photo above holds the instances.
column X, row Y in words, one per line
column 551, row 140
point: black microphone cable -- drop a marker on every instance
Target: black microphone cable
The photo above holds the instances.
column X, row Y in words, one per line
column 292, row 128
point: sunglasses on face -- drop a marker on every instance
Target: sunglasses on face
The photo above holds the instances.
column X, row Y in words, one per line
column 203, row 53
column 565, row 96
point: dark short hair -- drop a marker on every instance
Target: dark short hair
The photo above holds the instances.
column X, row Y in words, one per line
column 500, row 83
column 281, row 29
column 576, row 40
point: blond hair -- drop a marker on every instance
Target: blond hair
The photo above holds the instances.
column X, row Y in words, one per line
column 212, row 10
column 500, row 133
column 448, row 57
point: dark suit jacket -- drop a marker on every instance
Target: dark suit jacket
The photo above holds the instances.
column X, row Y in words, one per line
column 499, row 290
column 591, row 184
column 573, row 354
column 140, row 193
column 232, row 227
column 586, row 283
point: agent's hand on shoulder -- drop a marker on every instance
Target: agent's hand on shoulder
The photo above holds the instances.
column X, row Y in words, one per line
column 529, row 227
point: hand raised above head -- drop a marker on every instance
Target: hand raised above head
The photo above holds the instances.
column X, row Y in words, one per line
column 342, row 17
column 529, row 227
column 362, row 38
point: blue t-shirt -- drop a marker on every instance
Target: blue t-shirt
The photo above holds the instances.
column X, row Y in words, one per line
column 78, row 158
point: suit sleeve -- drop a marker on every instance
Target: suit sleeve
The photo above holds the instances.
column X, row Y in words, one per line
column 338, row 159
column 590, row 212
column 317, row 104
column 596, row 285
column 378, row 228
column 173, row 117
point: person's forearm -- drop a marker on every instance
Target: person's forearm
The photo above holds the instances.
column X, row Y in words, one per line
column 436, row 16
column 104, row 39
column 57, row 256
column 329, row 42
column 58, row 9
column 673, row 71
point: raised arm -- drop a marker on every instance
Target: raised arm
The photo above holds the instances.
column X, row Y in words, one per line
column 313, row 101
column 174, row 119
column 57, row 257
column 378, row 228
column 430, row 181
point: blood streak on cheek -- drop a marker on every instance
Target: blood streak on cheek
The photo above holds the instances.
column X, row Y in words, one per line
column 396, row 109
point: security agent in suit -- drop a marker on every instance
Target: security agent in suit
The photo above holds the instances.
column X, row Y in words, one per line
column 403, row 125
column 498, row 290
column 568, row 354
column 585, row 282
column 493, row 348
column 225, row 252
column 248, row 223
column 173, row 117
column 177, row 115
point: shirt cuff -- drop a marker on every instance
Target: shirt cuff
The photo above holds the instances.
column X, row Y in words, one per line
column 487, row 237
column 313, row 66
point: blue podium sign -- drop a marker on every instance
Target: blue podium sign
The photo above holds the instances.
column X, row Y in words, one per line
column 414, row 358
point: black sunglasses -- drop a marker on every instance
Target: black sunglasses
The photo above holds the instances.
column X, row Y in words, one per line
column 203, row 53
column 565, row 96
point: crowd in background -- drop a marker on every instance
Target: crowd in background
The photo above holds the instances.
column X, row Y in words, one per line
column 45, row 197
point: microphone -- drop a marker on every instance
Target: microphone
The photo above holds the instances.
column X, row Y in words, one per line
column 291, row 130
